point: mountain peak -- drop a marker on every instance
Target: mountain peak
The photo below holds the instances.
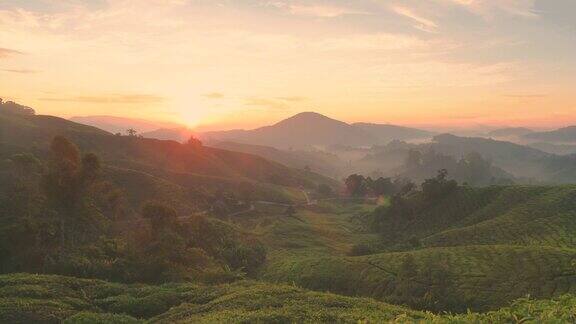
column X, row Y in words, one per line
column 310, row 118
column 308, row 115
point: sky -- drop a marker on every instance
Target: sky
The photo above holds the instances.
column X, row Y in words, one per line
column 219, row 64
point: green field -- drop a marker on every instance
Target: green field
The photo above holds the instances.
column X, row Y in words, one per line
column 28, row 298
column 533, row 255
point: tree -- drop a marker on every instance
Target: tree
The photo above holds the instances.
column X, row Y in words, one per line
column 383, row 186
column 160, row 216
column 356, row 185
column 13, row 108
column 324, row 190
column 26, row 164
column 414, row 159
column 61, row 181
column 439, row 186
column 68, row 185
column 90, row 167
column 194, row 142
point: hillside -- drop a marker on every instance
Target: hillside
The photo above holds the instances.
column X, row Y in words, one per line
column 52, row 299
column 561, row 135
column 509, row 132
column 527, row 164
column 318, row 161
column 178, row 134
column 299, row 131
column 386, row 133
column 310, row 129
column 168, row 160
column 519, row 160
column 477, row 248
column 115, row 124
column 559, row 149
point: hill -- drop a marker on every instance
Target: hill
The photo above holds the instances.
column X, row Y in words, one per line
column 526, row 164
column 164, row 159
column 558, row 149
column 179, row 134
column 299, row 131
column 509, row 132
column 115, row 124
column 51, row 299
column 561, row 135
column 519, row 160
column 319, row 161
column 475, row 248
column 310, row 129
column 386, row 133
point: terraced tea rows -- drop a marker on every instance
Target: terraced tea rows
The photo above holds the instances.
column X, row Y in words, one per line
column 28, row 298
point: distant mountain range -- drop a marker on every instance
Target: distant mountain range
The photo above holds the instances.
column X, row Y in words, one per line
column 179, row 134
column 562, row 135
column 317, row 161
column 114, row 124
column 309, row 129
column 510, row 131
column 526, row 163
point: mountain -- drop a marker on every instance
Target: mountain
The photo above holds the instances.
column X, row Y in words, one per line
column 564, row 135
column 509, row 132
column 303, row 130
column 114, row 124
column 559, row 149
column 386, row 133
column 324, row 163
column 179, row 134
column 525, row 163
column 310, row 129
column 166, row 163
column 519, row 160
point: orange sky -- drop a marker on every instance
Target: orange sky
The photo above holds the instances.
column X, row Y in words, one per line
column 245, row 63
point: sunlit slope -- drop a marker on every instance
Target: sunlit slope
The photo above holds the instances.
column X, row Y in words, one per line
column 211, row 168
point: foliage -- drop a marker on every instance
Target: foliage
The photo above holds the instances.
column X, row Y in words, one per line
column 13, row 108
column 360, row 186
column 61, row 217
column 28, row 298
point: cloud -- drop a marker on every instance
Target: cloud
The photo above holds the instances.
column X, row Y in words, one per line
column 6, row 52
column 267, row 103
column 488, row 8
column 21, row 71
column 526, row 96
column 316, row 10
column 214, row 95
column 422, row 23
column 111, row 99
column 292, row 98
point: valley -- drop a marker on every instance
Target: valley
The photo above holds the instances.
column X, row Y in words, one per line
column 99, row 227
